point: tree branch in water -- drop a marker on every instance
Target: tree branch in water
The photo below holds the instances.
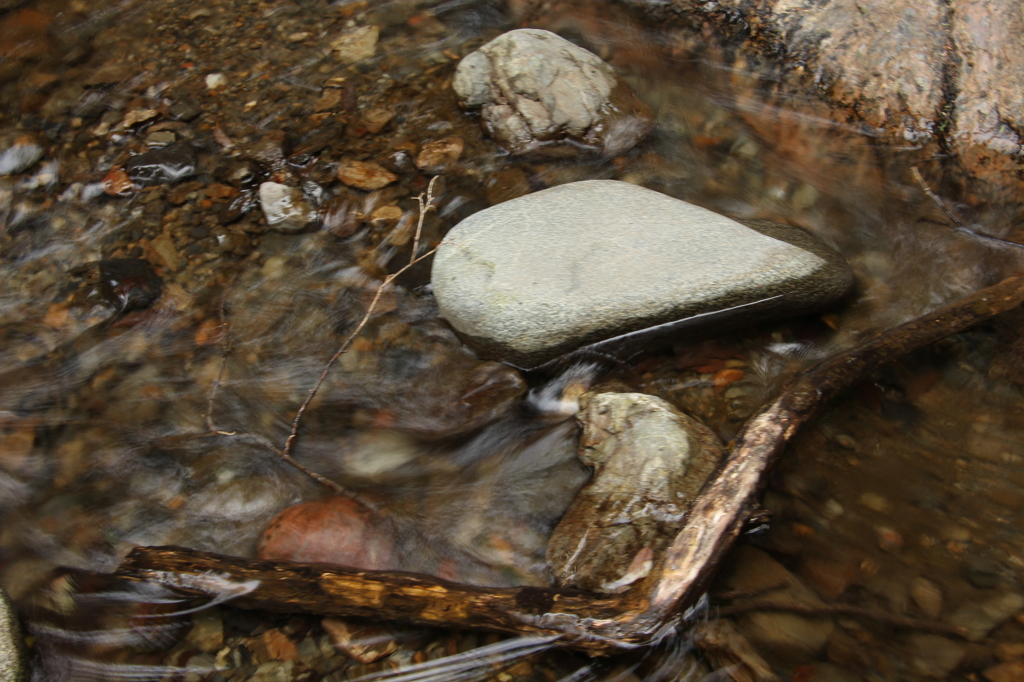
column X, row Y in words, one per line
column 597, row 623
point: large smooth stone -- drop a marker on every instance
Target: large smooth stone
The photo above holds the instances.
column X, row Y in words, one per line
column 536, row 277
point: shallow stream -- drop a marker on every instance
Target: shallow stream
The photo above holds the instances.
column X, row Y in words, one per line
column 141, row 404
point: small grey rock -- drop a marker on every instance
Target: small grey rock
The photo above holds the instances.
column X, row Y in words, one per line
column 533, row 278
column 981, row 571
column 537, row 90
column 21, row 155
column 285, row 208
column 13, row 659
column 980, row 618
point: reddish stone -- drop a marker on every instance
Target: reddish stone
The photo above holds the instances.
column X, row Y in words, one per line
column 274, row 645
column 365, row 175
column 436, row 157
column 23, row 34
column 117, row 183
column 724, row 377
column 337, row 530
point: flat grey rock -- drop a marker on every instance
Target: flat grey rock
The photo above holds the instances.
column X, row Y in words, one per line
column 536, row 277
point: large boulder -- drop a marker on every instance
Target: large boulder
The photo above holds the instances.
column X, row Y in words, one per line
column 538, row 93
column 940, row 80
column 535, row 277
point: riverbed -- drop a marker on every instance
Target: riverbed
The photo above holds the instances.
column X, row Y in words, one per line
column 158, row 339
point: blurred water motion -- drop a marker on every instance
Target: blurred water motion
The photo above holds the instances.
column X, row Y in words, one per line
column 128, row 418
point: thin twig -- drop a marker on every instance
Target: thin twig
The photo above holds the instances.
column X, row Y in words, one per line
column 425, row 205
column 960, row 226
column 934, row 197
column 746, row 594
column 597, row 623
column 845, row 610
column 225, row 351
column 258, row 440
column 289, row 444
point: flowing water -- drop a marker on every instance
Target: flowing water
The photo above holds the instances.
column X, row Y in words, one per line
column 141, row 403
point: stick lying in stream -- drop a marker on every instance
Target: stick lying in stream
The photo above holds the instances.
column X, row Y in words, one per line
column 599, row 624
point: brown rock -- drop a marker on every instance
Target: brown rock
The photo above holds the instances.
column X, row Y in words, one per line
column 340, row 215
column 328, row 101
column 376, row 118
column 117, row 183
column 829, row 578
column 274, row 645
column 113, row 71
column 337, row 530
column 23, row 34
column 725, row 647
column 356, row 44
column 439, row 156
column 934, row 656
column 1011, row 671
column 17, row 437
column 790, row 637
column 1010, row 651
column 364, row 643
column 365, row 175
column 927, row 596
column 207, row 634
column 505, row 184
column 136, row 116
column 385, row 216
column 892, row 66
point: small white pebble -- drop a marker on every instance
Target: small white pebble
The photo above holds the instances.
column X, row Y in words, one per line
column 215, row 81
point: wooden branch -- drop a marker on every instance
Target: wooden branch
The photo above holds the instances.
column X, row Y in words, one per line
column 720, row 512
column 595, row 623
column 286, row 587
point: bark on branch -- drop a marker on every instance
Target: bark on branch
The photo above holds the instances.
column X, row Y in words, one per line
column 599, row 624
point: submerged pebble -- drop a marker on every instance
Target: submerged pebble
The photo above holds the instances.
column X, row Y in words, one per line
column 337, row 530
column 285, row 208
column 163, row 165
column 20, row 155
column 365, row 175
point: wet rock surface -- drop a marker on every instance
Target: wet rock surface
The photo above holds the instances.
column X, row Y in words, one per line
column 19, row 154
column 934, row 75
column 788, row 636
column 285, row 208
column 535, row 90
column 649, row 461
column 544, row 274
column 13, row 659
column 164, row 165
